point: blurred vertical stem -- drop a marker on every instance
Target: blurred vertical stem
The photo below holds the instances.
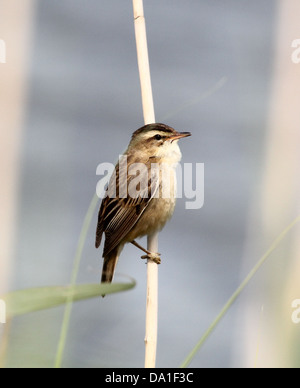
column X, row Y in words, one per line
column 279, row 198
column 149, row 117
column 280, row 187
column 16, row 20
column 76, row 265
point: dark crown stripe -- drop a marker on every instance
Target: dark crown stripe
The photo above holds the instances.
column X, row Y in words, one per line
column 154, row 127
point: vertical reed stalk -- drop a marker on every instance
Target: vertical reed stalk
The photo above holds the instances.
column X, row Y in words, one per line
column 149, row 117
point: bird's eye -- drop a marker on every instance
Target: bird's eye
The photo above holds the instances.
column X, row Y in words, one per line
column 158, row 137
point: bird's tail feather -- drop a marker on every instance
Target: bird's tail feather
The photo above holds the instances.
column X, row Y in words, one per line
column 109, row 266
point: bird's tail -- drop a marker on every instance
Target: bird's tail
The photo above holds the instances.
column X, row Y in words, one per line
column 109, row 265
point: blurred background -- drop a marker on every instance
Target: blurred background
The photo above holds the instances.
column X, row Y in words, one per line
column 70, row 99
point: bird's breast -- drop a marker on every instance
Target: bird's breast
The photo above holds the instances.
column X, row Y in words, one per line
column 160, row 208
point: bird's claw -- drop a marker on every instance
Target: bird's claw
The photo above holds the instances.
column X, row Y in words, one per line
column 152, row 256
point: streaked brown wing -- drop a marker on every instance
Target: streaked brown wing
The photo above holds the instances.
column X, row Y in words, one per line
column 117, row 216
column 101, row 216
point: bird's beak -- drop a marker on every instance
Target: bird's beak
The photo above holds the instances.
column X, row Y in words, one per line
column 179, row 135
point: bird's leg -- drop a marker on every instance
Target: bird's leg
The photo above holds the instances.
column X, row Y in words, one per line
column 150, row 255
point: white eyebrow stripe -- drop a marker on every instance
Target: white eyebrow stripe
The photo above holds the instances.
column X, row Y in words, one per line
column 153, row 133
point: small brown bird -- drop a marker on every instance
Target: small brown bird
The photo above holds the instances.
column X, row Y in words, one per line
column 140, row 197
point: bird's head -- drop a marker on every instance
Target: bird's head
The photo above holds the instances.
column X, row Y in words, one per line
column 158, row 141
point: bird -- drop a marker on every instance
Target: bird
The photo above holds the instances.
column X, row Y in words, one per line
column 141, row 194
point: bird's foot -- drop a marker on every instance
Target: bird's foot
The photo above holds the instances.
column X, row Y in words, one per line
column 152, row 256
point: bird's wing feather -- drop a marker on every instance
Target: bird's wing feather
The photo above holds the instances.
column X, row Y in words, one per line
column 117, row 216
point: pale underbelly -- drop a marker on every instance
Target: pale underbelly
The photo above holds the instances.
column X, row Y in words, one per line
column 153, row 219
